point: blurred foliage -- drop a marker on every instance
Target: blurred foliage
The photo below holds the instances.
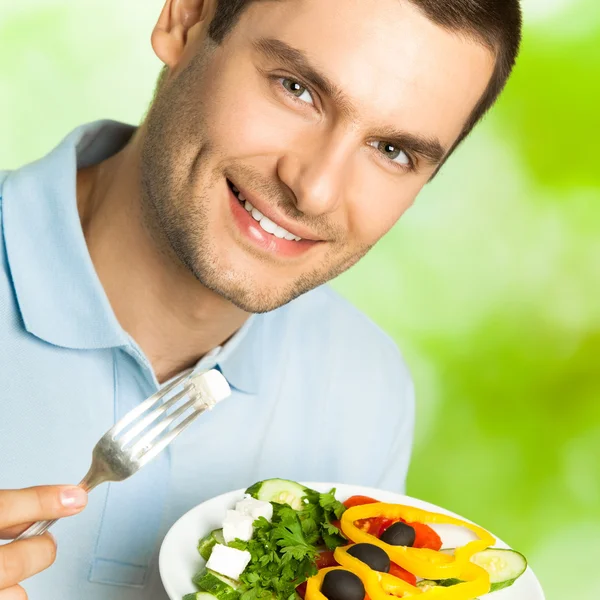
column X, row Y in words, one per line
column 490, row 286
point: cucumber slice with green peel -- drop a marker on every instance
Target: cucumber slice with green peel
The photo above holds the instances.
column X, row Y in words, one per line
column 430, row 583
column 206, row 544
column 199, row 596
column 504, row 566
column 449, row 582
column 219, row 586
column 280, row 491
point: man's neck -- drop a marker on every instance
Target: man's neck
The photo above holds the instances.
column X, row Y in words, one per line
column 173, row 317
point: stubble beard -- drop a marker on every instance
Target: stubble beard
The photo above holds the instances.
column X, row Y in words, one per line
column 178, row 220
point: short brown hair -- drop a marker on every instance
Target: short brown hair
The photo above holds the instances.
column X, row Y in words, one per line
column 495, row 23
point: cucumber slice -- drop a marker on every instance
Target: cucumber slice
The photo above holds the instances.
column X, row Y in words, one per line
column 504, row 566
column 281, row 491
column 430, row 583
column 219, row 586
column 199, row 596
column 206, row 544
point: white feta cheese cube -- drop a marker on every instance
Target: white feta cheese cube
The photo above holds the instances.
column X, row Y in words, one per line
column 255, row 508
column 237, row 526
column 227, row 561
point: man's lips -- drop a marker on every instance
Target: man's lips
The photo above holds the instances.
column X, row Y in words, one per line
column 253, row 230
column 274, row 215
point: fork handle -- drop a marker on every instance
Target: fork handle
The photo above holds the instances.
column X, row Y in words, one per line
column 88, row 483
column 38, row 528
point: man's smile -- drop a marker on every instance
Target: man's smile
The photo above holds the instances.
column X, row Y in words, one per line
column 267, row 227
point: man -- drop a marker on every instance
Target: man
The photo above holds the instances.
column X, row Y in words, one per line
column 285, row 139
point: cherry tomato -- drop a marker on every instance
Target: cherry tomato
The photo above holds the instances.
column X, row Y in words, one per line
column 377, row 525
column 326, row 559
column 359, row 501
column 400, row 573
column 426, row 537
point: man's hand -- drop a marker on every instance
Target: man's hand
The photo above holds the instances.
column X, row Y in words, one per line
column 18, row 509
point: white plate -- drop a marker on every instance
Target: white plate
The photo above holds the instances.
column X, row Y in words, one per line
column 179, row 559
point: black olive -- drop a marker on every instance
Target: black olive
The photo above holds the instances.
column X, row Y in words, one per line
column 399, row 534
column 342, row 585
column 371, row 555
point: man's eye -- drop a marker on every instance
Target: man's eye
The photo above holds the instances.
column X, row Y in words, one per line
column 296, row 89
column 392, row 152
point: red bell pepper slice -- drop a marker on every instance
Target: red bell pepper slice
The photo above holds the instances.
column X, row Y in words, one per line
column 403, row 574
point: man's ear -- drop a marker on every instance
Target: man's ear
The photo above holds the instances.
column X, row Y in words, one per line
column 170, row 35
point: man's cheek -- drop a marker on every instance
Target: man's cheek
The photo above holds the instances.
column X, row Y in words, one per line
column 256, row 128
column 372, row 209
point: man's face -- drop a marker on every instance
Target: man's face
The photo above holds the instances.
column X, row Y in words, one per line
column 275, row 160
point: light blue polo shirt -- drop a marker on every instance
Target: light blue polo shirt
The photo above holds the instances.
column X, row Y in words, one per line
column 319, row 392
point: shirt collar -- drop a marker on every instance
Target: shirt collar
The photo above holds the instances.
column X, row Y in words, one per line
column 239, row 359
column 59, row 295
column 58, row 292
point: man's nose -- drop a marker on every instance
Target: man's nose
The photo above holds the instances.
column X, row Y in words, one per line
column 317, row 174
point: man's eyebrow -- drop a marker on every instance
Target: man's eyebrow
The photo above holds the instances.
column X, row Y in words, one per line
column 429, row 148
column 299, row 62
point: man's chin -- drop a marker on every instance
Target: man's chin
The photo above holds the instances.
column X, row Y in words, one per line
column 255, row 302
column 248, row 294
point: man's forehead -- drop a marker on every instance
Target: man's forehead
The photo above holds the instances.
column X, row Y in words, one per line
column 387, row 56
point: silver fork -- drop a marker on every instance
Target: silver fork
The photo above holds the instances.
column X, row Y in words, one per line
column 129, row 444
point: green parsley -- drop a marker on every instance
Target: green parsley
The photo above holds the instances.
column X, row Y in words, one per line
column 322, row 510
column 281, row 557
column 284, row 551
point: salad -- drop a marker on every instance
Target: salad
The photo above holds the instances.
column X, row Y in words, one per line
column 284, row 541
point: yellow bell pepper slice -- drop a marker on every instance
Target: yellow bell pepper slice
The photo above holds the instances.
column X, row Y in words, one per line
column 377, row 585
column 476, row 582
column 422, row 562
column 314, row 583
column 383, row 586
column 370, row 580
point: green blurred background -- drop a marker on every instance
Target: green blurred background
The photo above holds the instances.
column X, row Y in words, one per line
column 489, row 284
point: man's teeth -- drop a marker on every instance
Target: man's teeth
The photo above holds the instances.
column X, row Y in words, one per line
column 265, row 222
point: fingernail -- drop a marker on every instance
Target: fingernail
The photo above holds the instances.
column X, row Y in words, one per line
column 73, row 498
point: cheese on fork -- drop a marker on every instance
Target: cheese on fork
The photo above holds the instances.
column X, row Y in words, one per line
column 237, row 526
column 227, row 561
column 255, row 508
